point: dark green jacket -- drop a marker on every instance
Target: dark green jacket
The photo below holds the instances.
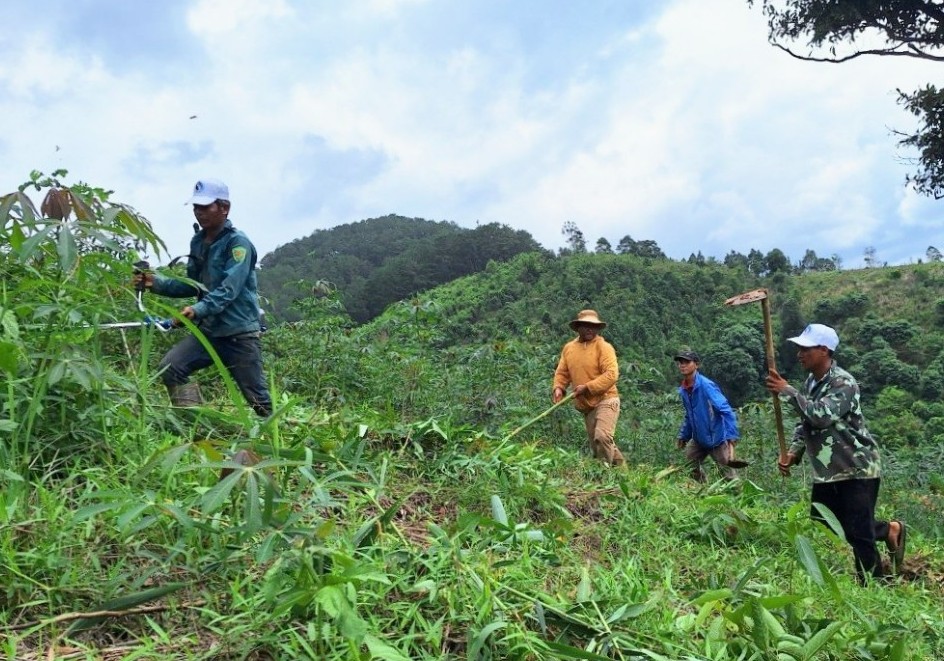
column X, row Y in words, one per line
column 228, row 303
column 832, row 428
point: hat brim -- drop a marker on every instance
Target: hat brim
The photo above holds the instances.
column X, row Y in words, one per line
column 799, row 340
column 573, row 325
column 202, row 200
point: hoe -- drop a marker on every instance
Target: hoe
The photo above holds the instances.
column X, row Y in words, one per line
column 764, row 298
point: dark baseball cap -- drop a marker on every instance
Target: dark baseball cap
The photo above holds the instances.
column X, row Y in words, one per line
column 688, row 355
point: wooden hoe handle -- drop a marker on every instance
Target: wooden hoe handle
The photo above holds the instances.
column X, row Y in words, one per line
column 772, row 365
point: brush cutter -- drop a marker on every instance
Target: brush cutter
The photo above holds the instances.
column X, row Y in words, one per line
column 162, row 325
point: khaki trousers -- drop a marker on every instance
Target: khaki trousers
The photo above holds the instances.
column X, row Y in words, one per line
column 601, row 426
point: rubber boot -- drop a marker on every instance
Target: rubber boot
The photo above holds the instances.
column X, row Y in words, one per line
column 186, row 395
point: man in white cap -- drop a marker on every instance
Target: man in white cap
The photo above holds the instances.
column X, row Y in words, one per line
column 843, row 454
column 588, row 362
column 222, row 260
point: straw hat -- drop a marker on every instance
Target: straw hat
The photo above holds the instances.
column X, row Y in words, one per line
column 587, row 317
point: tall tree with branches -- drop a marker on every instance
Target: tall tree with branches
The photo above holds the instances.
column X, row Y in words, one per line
column 836, row 31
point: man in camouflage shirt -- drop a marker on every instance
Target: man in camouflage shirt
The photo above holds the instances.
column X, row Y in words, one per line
column 843, row 455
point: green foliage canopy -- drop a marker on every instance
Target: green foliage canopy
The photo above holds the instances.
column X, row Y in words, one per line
column 376, row 262
column 901, row 28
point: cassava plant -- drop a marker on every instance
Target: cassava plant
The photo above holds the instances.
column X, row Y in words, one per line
column 65, row 267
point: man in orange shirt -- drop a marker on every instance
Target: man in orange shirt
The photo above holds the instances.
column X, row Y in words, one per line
column 588, row 362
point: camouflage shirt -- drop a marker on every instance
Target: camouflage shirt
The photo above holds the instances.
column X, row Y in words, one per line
column 832, row 428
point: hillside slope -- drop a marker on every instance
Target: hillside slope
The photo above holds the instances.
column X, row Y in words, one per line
column 656, row 306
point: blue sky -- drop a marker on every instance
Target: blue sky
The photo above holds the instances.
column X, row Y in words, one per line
column 674, row 121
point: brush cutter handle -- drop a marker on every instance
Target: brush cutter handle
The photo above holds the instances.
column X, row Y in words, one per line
column 162, row 325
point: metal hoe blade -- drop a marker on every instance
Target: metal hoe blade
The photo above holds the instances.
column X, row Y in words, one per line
column 747, row 297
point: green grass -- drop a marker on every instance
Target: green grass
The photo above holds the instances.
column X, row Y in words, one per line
column 384, row 546
column 393, row 515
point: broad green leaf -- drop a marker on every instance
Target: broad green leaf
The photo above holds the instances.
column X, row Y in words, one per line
column 830, row 520
column 166, row 459
column 67, row 249
column 89, row 511
column 584, row 587
column 366, row 533
column 32, row 244
column 210, row 450
column 331, row 598
column 780, row 600
column 131, row 514
column 498, row 510
column 481, row 638
column 252, row 512
column 214, row 498
column 897, row 651
column 820, row 638
column 809, row 559
column 9, row 357
column 26, row 207
column 6, row 206
column 56, row 372
column 351, row 626
column 110, row 214
column 628, row 611
column 17, row 236
column 380, row 649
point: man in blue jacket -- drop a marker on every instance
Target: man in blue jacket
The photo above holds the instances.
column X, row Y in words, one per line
column 710, row 426
column 222, row 263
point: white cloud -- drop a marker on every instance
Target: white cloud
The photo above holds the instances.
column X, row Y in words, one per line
column 683, row 125
column 218, row 17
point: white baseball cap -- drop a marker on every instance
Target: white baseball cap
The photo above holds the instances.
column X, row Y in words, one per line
column 817, row 335
column 208, row 191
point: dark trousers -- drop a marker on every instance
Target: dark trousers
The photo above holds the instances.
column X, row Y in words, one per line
column 242, row 356
column 853, row 504
column 722, row 454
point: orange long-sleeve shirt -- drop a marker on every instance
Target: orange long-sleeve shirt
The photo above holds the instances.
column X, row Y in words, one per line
column 592, row 363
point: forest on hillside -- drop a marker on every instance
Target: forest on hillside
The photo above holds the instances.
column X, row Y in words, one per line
column 378, row 261
column 890, row 321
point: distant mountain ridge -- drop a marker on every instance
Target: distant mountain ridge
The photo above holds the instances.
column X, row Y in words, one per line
column 375, row 262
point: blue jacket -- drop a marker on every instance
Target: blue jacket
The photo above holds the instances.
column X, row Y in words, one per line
column 228, row 303
column 709, row 418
